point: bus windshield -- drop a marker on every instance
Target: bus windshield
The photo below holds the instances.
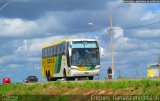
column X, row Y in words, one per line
column 85, row 56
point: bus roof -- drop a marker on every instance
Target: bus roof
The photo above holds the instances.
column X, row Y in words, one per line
column 67, row 40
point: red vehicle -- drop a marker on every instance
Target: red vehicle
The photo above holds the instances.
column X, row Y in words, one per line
column 6, row 81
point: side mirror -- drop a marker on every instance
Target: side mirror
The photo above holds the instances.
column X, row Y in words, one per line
column 70, row 52
column 25, row 80
column 101, row 51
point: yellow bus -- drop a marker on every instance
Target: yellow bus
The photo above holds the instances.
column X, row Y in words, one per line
column 70, row 59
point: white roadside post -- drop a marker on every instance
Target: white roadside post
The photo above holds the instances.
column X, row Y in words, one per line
column 112, row 47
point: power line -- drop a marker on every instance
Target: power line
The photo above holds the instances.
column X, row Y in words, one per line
column 4, row 4
column 135, row 27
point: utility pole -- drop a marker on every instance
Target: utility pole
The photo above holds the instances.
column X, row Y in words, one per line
column 136, row 70
column 111, row 45
column 33, row 70
column 119, row 76
column 158, row 63
column 159, row 59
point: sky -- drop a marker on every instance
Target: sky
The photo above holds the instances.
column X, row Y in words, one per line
column 27, row 25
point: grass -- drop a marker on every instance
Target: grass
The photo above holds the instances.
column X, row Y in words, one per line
column 61, row 90
column 149, row 86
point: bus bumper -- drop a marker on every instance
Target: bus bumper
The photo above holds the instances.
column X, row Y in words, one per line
column 85, row 73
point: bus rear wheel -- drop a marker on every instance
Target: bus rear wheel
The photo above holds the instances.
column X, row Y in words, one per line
column 90, row 77
column 53, row 79
column 48, row 76
column 70, row 79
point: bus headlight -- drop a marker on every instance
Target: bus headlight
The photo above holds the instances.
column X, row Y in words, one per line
column 97, row 67
column 74, row 68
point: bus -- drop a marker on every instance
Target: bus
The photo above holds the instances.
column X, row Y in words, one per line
column 71, row 59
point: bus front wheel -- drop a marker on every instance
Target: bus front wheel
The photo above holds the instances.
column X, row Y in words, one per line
column 70, row 78
column 64, row 73
column 90, row 77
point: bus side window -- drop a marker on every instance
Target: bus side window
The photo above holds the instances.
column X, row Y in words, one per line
column 60, row 49
column 63, row 48
column 52, row 50
column 66, row 47
column 47, row 52
column 56, row 50
column 42, row 53
column 67, row 54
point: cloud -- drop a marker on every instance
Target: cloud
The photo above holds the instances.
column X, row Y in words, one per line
column 20, row 28
column 32, row 9
column 33, row 47
column 8, row 59
column 148, row 16
column 16, row 27
column 147, row 33
column 14, row 65
column 18, row 59
column 120, row 41
column 54, row 22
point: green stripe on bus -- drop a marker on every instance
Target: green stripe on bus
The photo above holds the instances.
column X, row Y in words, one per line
column 55, row 70
column 58, row 64
column 90, row 67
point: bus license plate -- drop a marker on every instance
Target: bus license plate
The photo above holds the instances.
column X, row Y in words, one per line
column 86, row 72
